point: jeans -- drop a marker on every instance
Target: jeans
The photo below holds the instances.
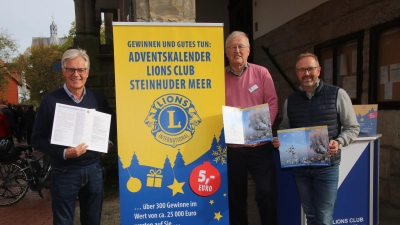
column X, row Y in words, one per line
column 317, row 188
column 259, row 161
column 67, row 185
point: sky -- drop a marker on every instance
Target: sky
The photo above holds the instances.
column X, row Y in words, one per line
column 24, row 19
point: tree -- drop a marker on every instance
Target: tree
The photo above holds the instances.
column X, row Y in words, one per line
column 103, row 33
column 259, row 124
column 3, row 80
column 319, row 141
column 8, row 46
column 70, row 38
column 37, row 62
column 179, row 162
column 72, row 33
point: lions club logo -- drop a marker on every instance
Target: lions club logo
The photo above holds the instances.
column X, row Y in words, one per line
column 172, row 119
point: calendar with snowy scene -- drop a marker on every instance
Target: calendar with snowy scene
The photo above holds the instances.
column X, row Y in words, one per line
column 304, row 147
column 247, row 125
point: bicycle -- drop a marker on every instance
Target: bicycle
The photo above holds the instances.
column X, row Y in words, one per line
column 17, row 174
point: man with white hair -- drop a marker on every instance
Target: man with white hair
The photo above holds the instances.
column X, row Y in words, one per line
column 246, row 85
column 76, row 171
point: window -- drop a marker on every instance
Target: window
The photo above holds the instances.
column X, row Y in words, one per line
column 341, row 63
column 385, row 65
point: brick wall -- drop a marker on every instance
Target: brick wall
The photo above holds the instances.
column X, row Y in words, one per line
column 11, row 96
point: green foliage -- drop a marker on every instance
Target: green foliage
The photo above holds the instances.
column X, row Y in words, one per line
column 35, row 103
column 67, row 45
column 37, row 62
column 72, row 33
column 8, row 45
column 70, row 38
column 3, row 81
column 102, row 33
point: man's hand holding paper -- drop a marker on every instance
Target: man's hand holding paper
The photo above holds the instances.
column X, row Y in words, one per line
column 73, row 152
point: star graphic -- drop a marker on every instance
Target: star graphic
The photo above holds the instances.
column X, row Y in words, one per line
column 211, row 202
column 217, row 216
column 224, row 194
column 176, row 187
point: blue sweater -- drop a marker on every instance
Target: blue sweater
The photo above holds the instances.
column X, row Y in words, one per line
column 42, row 128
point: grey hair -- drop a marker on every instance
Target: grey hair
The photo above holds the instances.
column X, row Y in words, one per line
column 73, row 53
column 236, row 34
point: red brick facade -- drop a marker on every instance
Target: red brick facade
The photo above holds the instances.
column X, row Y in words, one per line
column 14, row 80
column 12, row 92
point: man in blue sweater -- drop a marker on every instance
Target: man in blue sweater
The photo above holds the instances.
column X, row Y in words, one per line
column 76, row 171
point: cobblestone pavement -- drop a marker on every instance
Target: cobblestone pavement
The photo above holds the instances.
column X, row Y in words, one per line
column 31, row 210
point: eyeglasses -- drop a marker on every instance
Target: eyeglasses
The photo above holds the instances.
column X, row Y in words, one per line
column 309, row 69
column 234, row 47
column 71, row 71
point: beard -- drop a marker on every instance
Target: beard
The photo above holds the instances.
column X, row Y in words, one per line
column 306, row 83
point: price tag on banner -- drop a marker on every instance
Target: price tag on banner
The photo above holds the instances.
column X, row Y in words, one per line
column 205, row 179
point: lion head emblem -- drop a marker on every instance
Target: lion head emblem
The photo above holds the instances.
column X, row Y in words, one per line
column 172, row 119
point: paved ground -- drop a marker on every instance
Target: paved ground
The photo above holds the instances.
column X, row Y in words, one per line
column 33, row 210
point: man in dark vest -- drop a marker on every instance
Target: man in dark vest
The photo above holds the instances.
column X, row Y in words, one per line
column 318, row 104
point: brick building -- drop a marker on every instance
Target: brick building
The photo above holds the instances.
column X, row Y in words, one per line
column 16, row 90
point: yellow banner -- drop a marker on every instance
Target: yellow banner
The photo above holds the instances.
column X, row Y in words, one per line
column 169, row 81
column 165, row 72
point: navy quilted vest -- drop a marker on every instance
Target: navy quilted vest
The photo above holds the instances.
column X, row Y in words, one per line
column 320, row 110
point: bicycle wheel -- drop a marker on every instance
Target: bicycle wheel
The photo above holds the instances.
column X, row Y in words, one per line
column 13, row 183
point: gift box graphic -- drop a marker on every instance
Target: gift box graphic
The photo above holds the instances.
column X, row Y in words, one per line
column 154, row 178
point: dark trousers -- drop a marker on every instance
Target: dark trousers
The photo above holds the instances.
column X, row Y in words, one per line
column 67, row 185
column 28, row 136
column 18, row 134
column 259, row 161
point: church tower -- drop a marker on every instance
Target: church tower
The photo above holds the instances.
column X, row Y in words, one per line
column 53, row 33
column 52, row 40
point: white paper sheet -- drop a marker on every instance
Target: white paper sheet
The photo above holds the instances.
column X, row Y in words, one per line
column 384, row 78
column 388, row 90
column 75, row 125
column 395, row 72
